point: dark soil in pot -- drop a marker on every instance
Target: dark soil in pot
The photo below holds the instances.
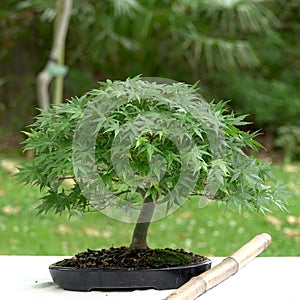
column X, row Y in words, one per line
column 125, row 257
column 119, row 268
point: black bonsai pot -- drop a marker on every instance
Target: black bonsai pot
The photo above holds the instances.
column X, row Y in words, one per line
column 87, row 279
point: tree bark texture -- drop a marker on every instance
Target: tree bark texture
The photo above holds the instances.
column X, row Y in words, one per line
column 139, row 237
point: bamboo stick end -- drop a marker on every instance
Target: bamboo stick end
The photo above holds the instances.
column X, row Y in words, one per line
column 267, row 237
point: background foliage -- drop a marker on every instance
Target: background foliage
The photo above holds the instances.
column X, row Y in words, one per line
column 242, row 50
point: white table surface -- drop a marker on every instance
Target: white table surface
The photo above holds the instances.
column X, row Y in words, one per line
column 28, row 277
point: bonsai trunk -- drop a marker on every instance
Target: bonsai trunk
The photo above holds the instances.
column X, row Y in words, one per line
column 139, row 237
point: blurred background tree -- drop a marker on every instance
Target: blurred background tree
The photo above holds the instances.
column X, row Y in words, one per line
column 242, row 50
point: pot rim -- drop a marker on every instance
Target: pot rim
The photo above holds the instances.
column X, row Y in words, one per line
column 184, row 266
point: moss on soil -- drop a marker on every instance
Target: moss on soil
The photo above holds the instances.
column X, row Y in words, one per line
column 124, row 257
column 161, row 256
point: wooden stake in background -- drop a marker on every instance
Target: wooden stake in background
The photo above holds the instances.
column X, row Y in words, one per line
column 54, row 67
column 228, row 267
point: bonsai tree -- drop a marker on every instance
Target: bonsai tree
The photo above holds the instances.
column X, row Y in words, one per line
column 137, row 150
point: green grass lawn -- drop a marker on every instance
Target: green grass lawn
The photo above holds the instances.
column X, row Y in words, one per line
column 208, row 231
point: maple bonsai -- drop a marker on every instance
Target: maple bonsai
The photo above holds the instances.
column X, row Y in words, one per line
column 137, row 150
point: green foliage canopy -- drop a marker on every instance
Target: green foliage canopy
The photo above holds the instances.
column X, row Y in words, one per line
column 216, row 156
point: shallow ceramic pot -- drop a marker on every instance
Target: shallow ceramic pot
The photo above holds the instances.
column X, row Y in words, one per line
column 84, row 279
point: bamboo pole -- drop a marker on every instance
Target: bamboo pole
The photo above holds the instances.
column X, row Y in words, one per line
column 228, row 267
